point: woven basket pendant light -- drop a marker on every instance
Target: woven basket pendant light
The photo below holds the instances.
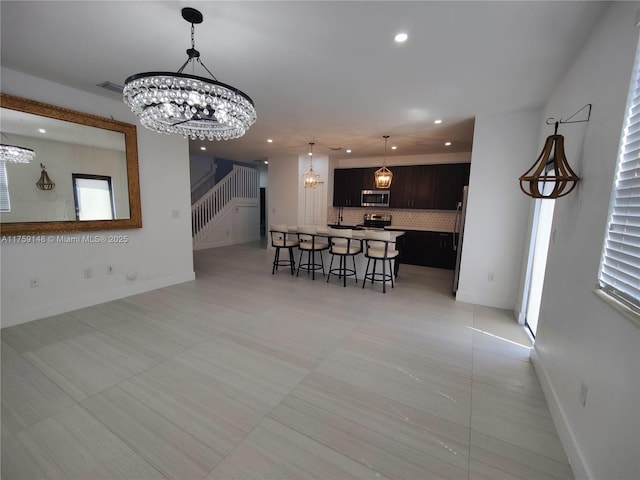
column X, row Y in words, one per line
column 550, row 169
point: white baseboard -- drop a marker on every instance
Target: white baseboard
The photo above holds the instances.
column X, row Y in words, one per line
column 94, row 298
column 567, row 438
column 495, row 301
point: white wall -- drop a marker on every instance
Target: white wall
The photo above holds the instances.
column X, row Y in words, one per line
column 282, row 189
column 160, row 253
column 504, row 147
column 580, row 338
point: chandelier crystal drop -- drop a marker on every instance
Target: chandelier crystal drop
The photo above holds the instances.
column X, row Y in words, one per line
column 383, row 174
column 196, row 107
column 310, row 178
column 13, row 154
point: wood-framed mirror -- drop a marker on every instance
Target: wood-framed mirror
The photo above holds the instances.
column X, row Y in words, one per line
column 69, row 144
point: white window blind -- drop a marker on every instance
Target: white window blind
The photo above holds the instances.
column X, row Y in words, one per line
column 5, row 204
column 620, row 263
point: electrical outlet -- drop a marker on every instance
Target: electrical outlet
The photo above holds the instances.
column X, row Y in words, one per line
column 34, row 282
column 109, row 269
column 583, row 394
column 490, row 277
column 88, row 273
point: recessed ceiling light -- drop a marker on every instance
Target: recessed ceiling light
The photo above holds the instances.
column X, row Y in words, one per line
column 437, row 122
column 269, row 140
column 266, row 162
column 393, row 147
column 447, row 144
column 42, row 130
column 203, row 148
column 348, row 150
column 401, row 37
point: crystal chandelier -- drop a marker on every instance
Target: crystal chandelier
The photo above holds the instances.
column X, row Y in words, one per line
column 383, row 174
column 195, row 107
column 310, row 177
column 13, row 154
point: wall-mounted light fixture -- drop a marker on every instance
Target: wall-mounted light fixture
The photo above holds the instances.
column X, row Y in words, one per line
column 45, row 183
column 551, row 176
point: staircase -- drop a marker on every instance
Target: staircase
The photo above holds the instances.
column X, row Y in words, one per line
column 240, row 188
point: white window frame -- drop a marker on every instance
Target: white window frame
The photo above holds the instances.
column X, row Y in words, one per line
column 618, row 279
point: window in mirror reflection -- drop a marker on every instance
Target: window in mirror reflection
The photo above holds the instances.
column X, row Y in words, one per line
column 5, row 203
column 93, row 197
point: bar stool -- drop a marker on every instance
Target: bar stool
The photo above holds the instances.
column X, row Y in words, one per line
column 379, row 246
column 342, row 244
column 311, row 243
column 282, row 238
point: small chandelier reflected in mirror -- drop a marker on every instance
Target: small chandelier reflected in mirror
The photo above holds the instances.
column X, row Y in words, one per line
column 310, row 178
column 14, row 154
column 383, row 174
column 195, row 107
column 45, row 183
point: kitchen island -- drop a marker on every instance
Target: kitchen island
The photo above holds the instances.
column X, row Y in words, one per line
column 359, row 233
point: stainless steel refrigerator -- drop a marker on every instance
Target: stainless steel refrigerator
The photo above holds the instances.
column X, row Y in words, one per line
column 461, row 213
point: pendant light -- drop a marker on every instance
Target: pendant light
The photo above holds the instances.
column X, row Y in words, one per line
column 383, row 174
column 310, row 178
column 192, row 106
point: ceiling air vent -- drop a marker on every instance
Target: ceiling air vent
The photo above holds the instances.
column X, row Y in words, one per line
column 112, row 87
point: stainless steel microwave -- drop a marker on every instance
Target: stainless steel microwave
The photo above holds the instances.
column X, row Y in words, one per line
column 375, row 198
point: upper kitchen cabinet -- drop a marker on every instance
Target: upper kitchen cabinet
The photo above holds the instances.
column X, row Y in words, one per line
column 437, row 187
column 348, row 184
column 412, row 187
column 450, row 178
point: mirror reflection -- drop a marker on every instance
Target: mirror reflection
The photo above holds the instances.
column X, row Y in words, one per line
column 71, row 154
column 84, row 175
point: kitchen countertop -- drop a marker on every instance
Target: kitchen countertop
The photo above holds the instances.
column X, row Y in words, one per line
column 417, row 229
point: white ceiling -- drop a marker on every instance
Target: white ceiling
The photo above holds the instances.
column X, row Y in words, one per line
column 320, row 71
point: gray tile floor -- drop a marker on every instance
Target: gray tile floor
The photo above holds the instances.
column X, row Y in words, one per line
column 247, row 375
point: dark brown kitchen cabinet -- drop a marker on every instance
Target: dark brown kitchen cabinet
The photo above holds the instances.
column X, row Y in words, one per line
column 437, row 187
column 427, row 187
column 428, row 249
column 348, row 184
column 413, row 187
column 449, row 180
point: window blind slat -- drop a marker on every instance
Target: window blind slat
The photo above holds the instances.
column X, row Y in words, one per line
column 619, row 274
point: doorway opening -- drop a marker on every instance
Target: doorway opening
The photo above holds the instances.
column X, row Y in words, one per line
column 537, row 263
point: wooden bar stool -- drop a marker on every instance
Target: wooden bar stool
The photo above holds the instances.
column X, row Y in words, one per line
column 342, row 244
column 282, row 238
column 311, row 243
column 379, row 246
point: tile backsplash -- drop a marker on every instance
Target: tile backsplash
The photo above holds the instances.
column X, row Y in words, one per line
column 435, row 220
